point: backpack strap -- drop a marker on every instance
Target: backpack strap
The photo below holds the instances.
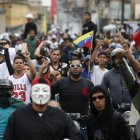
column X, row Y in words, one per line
column 115, row 117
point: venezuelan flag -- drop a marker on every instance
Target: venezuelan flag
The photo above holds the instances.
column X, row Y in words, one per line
column 84, row 40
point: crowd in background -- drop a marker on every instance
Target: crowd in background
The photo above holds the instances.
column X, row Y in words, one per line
column 111, row 64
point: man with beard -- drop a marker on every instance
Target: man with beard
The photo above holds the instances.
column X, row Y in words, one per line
column 73, row 90
column 73, row 94
column 114, row 81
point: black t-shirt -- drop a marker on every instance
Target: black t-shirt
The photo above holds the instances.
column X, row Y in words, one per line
column 28, row 27
column 89, row 26
column 73, row 95
column 101, row 131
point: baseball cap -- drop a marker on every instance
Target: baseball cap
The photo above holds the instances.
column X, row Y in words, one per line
column 29, row 16
column 115, row 51
column 87, row 57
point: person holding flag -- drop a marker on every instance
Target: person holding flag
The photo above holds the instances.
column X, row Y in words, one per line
column 81, row 42
column 87, row 27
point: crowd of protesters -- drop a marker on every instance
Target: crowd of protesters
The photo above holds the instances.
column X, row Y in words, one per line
column 94, row 85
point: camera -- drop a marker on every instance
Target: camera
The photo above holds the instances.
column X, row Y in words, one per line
column 45, row 48
column 46, row 45
column 19, row 53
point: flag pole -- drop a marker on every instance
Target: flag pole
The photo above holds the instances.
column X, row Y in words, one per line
column 89, row 67
column 117, row 28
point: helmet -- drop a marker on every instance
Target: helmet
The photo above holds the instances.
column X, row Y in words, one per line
column 5, row 83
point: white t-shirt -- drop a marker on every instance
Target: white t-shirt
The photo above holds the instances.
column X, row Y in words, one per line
column 4, row 73
column 12, row 53
column 97, row 74
column 22, row 88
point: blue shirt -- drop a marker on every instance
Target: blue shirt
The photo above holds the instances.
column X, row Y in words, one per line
column 4, row 116
column 86, row 74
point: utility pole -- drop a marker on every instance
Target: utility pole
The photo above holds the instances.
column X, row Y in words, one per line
column 87, row 5
column 133, row 9
column 99, row 14
column 122, row 16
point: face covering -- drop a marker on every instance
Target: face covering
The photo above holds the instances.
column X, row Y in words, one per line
column 4, row 99
column 40, row 94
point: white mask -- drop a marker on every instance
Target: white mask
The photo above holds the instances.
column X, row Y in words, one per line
column 40, row 94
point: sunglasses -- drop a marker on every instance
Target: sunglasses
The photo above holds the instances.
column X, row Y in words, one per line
column 75, row 65
column 97, row 97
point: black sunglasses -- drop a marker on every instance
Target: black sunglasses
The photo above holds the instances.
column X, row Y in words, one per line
column 100, row 97
column 75, row 65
